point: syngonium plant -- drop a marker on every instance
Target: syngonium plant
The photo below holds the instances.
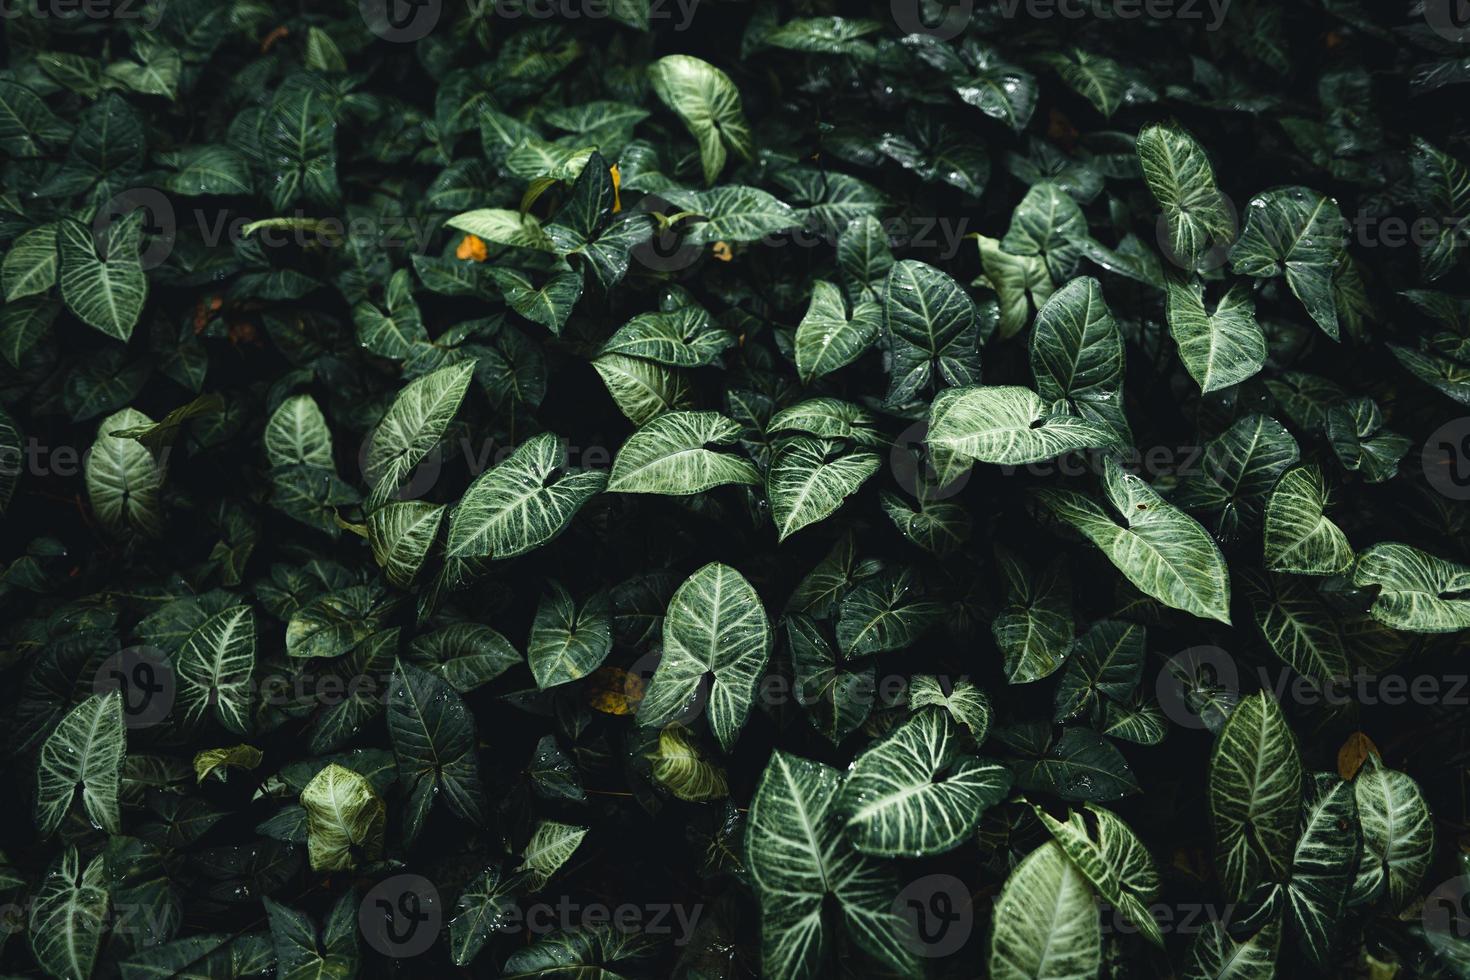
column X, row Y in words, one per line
column 851, row 492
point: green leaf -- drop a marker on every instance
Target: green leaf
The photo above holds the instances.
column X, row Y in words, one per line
column 68, row 914
column 600, row 952
column 503, row 227
column 1222, row 347
column 1012, row 426
column 401, row 534
column 214, row 669
column 1077, row 355
column 27, row 126
column 680, row 768
column 1000, row 90
column 670, row 455
column 102, row 279
column 1301, row 234
column 885, row 612
column 86, row 750
column 810, row 478
column 1034, row 630
column 467, row 655
column 683, row 337
column 1160, row 549
column 643, row 390
column 1112, row 858
column 344, row 820
column 709, row 103
column 801, row 864
column 1046, row 922
column 297, row 434
column 1300, row 538
column 915, row 793
column 218, row 762
column 1217, row 955
column 966, row 703
column 412, row 426
column 827, row 337
column 302, row 954
column 394, row 328
column 485, row 907
column 1178, row 174
column 1081, row 765
column 332, row 624
column 434, row 742
column 734, row 213
column 1021, row 283
column 837, row 698
column 568, row 643
column 1361, row 443
column 1255, row 789
column 1417, row 592
column 1239, row 468
column 1299, row 628
column 1323, row 865
column 124, row 481
column 523, row 503
column 1106, row 662
column 1398, row 834
column 715, row 624
column 30, row 265
column 1442, row 192
column 551, row 845
column 1047, row 224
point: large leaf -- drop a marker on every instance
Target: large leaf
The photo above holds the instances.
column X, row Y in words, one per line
column 344, row 820
column 1323, row 865
column 810, row 478
column 124, row 480
column 1417, row 592
column 670, row 455
column 434, row 741
column 716, row 625
column 68, row 915
column 85, row 751
column 1398, row 834
column 1158, row 548
column 709, row 103
column 1196, row 216
column 102, row 279
column 828, row 337
column 1220, row 347
column 1008, row 425
column 1113, row 860
column 1302, row 234
column 214, row 669
column 411, row 427
column 568, row 642
column 1046, row 922
column 1077, row 355
column 523, row 503
column 1255, row 796
column 1299, row 536
column 916, row 792
column 801, row 863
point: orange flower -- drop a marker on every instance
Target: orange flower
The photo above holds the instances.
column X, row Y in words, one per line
column 472, row 247
column 721, row 251
column 617, row 182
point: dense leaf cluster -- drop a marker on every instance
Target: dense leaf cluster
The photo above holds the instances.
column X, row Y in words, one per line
column 732, row 489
